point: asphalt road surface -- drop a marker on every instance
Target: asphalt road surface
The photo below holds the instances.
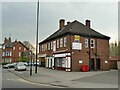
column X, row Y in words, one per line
column 10, row 80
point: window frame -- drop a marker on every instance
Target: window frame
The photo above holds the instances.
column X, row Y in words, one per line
column 61, row 42
column 86, row 43
column 65, row 40
column 92, row 43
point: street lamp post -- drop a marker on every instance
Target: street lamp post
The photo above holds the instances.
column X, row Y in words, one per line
column 37, row 36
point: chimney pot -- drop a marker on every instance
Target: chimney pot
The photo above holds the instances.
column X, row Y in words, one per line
column 88, row 23
column 61, row 23
column 68, row 22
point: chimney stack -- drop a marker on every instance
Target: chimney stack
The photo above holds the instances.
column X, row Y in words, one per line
column 61, row 23
column 87, row 23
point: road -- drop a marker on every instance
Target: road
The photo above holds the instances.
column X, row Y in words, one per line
column 10, row 80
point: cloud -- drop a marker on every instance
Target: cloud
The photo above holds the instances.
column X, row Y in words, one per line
column 19, row 18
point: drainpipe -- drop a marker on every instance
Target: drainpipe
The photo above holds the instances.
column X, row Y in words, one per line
column 71, row 51
column 89, row 53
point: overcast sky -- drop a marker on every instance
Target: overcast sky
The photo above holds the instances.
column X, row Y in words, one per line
column 19, row 18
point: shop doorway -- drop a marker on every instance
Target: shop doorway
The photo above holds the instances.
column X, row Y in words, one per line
column 92, row 64
column 98, row 64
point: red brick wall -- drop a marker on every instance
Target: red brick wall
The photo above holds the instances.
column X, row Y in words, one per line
column 102, row 51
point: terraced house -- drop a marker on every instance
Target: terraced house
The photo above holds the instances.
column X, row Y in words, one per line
column 74, row 45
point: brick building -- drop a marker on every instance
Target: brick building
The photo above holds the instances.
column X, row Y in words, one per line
column 12, row 51
column 74, row 45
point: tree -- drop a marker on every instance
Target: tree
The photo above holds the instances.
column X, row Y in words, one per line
column 30, row 46
column 114, row 49
column 24, row 59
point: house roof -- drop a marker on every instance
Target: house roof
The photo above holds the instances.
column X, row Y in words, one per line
column 9, row 44
column 76, row 28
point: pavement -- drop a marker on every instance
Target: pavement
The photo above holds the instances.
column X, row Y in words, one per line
column 63, row 79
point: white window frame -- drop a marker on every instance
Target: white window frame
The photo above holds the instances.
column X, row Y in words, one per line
column 51, row 45
column 10, row 53
column 58, row 43
column 61, row 42
column 65, row 40
column 3, row 54
column 24, row 49
column 19, row 54
column 13, row 48
column 42, row 48
column 92, row 43
column 86, row 43
column 20, row 48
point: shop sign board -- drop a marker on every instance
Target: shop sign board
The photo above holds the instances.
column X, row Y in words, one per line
column 76, row 38
column 77, row 46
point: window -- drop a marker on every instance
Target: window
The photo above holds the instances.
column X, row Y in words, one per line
column 19, row 54
column 42, row 47
column 24, row 49
column 48, row 46
column 58, row 43
column 92, row 43
column 3, row 54
column 61, row 42
column 13, row 48
column 10, row 53
column 19, row 48
column 64, row 41
column 45, row 46
column 51, row 45
column 86, row 43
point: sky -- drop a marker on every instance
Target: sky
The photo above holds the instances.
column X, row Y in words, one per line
column 19, row 18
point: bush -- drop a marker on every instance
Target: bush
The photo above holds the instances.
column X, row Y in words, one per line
column 4, row 63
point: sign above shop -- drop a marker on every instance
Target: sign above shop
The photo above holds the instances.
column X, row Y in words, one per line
column 77, row 46
column 76, row 38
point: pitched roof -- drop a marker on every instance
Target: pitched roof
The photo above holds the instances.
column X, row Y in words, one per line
column 76, row 28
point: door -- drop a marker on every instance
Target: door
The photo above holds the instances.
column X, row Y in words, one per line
column 92, row 64
column 98, row 64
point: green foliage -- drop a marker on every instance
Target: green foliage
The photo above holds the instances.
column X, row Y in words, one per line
column 115, row 49
column 24, row 59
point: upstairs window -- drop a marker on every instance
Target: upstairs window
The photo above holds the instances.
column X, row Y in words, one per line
column 86, row 43
column 19, row 54
column 19, row 48
column 58, row 43
column 64, row 41
column 61, row 42
column 42, row 47
column 13, row 48
column 51, row 45
column 24, row 49
column 92, row 43
column 48, row 46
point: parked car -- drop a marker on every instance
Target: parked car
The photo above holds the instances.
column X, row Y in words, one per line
column 25, row 63
column 9, row 65
column 20, row 66
column 29, row 64
column 37, row 63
